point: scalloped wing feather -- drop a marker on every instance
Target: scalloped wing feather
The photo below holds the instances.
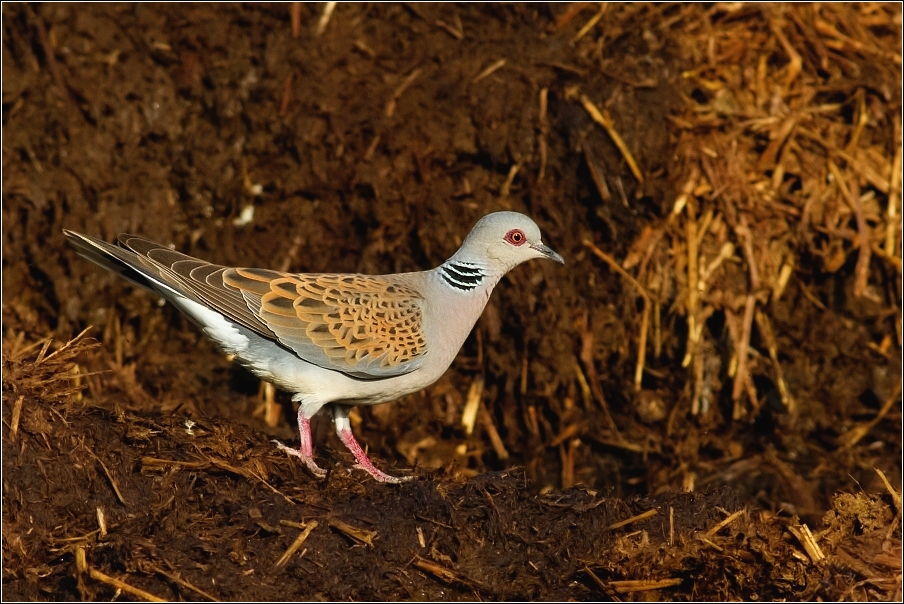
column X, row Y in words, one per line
column 369, row 327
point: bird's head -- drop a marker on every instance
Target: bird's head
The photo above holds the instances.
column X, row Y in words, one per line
column 503, row 240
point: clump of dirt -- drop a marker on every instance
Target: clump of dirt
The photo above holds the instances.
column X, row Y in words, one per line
column 704, row 403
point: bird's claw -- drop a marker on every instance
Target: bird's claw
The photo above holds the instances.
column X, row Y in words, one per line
column 308, row 461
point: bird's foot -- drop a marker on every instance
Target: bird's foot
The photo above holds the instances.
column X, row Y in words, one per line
column 381, row 476
column 364, row 462
column 307, row 459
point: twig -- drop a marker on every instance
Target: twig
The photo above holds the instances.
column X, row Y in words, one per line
column 687, row 191
column 46, row 346
column 741, row 374
column 286, row 95
column 854, row 435
column 596, row 174
column 648, row 514
column 635, row 585
column 391, row 105
column 371, row 148
column 363, row 47
column 493, row 433
column 895, row 495
column 360, row 535
column 507, row 185
column 582, row 379
column 810, row 296
column 109, row 474
column 296, row 19
column 605, row 120
column 566, row 455
column 671, row 525
column 81, row 565
column 296, row 545
column 767, row 160
column 572, row 11
column 14, row 420
column 765, row 326
column 894, row 195
column 594, row 378
column 184, row 583
column 863, row 169
column 443, row 574
column 711, row 544
column 862, row 121
column 852, row 196
column 841, row 40
column 544, row 131
column 565, row 434
column 599, row 582
column 412, row 6
column 247, row 473
column 328, row 9
column 611, row 262
column 122, row 585
column 642, row 346
column 562, row 66
column 784, row 275
column 154, row 463
column 742, row 378
column 101, row 522
column 591, row 23
column 693, row 293
column 794, row 66
column 472, row 405
column 806, row 539
column 645, row 319
column 489, row 70
column 456, row 33
column 657, row 328
column 711, row 532
column 269, row 408
column 699, row 385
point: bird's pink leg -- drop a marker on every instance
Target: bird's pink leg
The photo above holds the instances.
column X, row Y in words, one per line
column 305, row 451
column 344, row 430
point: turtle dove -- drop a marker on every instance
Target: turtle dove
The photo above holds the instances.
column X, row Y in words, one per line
column 336, row 340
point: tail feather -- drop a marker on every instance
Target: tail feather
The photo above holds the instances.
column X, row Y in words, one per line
column 170, row 274
column 125, row 263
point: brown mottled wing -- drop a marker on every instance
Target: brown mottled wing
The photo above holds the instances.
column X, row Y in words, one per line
column 370, row 327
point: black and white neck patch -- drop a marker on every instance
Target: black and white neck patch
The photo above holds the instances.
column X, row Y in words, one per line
column 463, row 276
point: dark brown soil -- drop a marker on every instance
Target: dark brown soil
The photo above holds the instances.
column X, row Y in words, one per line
column 769, row 397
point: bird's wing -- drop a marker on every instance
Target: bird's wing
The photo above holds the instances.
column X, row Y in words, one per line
column 365, row 326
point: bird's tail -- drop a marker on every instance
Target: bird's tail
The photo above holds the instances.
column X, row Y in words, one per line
column 124, row 262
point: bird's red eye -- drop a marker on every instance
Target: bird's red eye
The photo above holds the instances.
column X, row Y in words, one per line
column 515, row 237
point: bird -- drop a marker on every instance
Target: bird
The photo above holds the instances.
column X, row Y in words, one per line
column 333, row 340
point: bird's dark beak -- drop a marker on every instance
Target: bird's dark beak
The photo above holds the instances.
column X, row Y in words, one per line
column 547, row 252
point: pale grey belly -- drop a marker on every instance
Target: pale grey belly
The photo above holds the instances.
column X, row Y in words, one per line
column 273, row 363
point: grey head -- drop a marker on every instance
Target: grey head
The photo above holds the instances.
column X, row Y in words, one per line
column 502, row 240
